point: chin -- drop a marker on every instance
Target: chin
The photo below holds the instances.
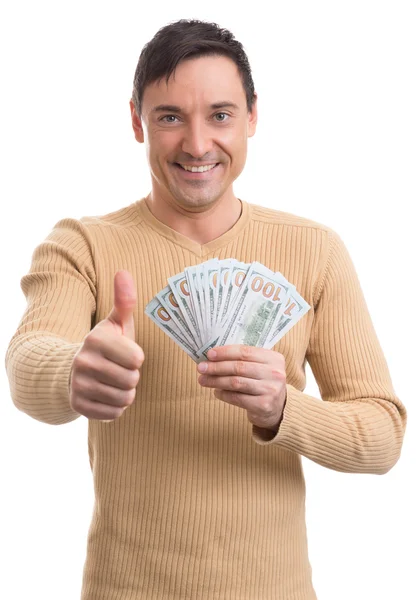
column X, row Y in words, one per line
column 191, row 206
column 195, row 200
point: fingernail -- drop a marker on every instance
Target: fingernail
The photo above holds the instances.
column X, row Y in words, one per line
column 211, row 353
column 202, row 367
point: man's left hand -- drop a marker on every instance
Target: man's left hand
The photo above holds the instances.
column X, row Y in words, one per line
column 249, row 377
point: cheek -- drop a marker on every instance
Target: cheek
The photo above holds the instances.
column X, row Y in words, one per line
column 157, row 147
column 239, row 153
column 234, row 142
column 164, row 144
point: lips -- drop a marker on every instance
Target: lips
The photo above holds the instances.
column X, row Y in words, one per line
column 197, row 172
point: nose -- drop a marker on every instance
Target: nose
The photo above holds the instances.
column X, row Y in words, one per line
column 197, row 140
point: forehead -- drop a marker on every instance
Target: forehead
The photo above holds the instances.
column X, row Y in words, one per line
column 197, row 82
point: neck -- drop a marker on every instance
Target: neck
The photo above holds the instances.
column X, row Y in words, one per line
column 201, row 227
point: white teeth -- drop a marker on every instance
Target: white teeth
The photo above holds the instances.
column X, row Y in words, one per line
column 198, row 169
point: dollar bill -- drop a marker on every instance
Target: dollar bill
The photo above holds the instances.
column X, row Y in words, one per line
column 204, row 299
column 169, row 302
column 223, row 279
column 211, row 274
column 179, row 285
column 236, row 277
column 296, row 307
column 284, row 290
column 155, row 311
column 196, row 298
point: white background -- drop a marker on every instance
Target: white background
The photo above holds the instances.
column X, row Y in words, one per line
column 336, row 143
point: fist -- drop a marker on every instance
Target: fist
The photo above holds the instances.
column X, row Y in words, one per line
column 105, row 370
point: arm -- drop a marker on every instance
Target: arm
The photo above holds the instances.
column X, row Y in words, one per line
column 60, row 293
column 359, row 428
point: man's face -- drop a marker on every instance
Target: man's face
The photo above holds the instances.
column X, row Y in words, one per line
column 199, row 119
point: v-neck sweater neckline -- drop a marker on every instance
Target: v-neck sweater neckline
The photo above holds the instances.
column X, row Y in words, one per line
column 189, row 244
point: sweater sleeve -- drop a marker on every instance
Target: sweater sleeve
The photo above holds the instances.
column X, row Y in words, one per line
column 60, row 292
column 359, row 425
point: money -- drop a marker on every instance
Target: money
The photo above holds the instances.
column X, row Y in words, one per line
column 255, row 311
column 168, row 301
column 295, row 308
column 221, row 302
column 181, row 290
column 161, row 317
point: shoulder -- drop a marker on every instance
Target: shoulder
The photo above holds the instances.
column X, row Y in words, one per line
column 127, row 216
column 81, row 235
column 286, row 219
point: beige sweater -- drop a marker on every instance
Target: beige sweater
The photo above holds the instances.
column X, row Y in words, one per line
column 191, row 500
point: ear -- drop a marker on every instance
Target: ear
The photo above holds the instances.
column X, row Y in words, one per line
column 253, row 116
column 136, row 124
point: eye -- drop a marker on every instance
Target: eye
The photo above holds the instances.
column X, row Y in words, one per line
column 222, row 117
column 168, row 118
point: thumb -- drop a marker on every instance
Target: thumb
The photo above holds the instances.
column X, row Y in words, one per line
column 124, row 303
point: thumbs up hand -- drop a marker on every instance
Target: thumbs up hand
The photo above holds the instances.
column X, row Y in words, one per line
column 105, row 370
column 121, row 315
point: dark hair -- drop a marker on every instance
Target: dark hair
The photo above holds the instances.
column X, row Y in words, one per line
column 187, row 39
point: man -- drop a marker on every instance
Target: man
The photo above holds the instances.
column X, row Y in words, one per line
column 197, row 471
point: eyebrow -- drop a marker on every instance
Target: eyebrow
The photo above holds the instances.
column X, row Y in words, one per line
column 178, row 109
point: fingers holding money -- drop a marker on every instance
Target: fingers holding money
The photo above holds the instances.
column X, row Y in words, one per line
column 241, row 352
column 249, row 377
column 235, row 371
column 263, row 382
column 234, row 383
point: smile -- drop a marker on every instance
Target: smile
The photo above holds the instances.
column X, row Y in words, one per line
column 200, row 169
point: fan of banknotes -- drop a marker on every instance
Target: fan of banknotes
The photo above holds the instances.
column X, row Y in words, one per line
column 221, row 302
